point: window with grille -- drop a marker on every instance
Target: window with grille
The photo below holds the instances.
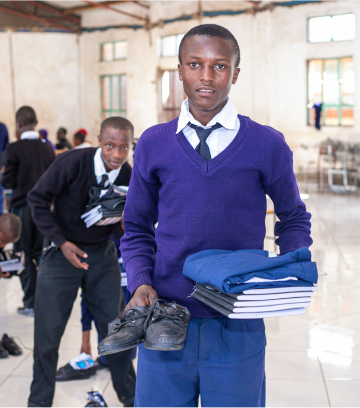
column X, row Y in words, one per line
column 170, row 45
column 113, row 50
column 331, row 28
column 172, row 95
column 113, row 95
column 331, row 82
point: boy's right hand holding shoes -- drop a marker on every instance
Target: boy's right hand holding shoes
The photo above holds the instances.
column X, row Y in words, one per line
column 144, row 295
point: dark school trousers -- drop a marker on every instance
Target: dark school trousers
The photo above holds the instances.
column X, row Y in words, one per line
column 57, row 287
column 223, row 362
column 31, row 242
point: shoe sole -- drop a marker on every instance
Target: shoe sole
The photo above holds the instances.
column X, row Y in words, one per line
column 105, row 350
column 164, row 348
column 72, row 379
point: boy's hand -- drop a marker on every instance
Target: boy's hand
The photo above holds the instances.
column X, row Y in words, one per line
column 144, row 295
column 122, row 221
column 4, row 274
column 70, row 251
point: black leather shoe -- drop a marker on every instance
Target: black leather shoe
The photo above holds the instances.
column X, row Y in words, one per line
column 9, row 344
column 126, row 331
column 167, row 327
column 3, row 353
column 67, row 373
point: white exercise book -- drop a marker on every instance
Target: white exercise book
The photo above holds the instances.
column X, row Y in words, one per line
column 263, row 315
column 281, row 290
column 269, row 302
column 251, row 309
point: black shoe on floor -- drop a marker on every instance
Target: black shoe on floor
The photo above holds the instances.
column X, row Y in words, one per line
column 9, row 344
column 126, row 331
column 67, row 373
column 3, row 352
column 26, row 311
column 167, row 327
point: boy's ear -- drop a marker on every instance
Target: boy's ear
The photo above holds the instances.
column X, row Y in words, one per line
column 180, row 72
column 99, row 140
column 235, row 76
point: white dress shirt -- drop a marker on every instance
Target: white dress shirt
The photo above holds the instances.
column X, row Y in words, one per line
column 219, row 139
column 100, row 169
column 30, row 134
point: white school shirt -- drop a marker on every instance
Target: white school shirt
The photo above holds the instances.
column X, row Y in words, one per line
column 100, row 169
column 30, row 134
column 219, row 139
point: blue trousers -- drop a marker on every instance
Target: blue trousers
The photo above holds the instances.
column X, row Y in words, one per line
column 223, row 361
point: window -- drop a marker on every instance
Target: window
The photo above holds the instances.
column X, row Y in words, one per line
column 332, row 83
column 113, row 51
column 113, row 96
column 170, row 45
column 331, row 28
column 172, row 95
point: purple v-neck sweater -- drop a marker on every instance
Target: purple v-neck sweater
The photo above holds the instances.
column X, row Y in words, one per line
column 199, row 204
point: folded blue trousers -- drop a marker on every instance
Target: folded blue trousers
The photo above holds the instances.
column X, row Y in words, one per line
column 228, row 270
column 223, row 362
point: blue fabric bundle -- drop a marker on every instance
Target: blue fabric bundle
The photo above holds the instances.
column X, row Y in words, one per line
column 229, row 270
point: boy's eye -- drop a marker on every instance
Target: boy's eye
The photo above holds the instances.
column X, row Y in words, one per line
column 220, row 66
column 125, row 148
column 193, row 64
column 109, row 146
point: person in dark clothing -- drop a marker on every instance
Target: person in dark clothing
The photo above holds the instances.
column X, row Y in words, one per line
column 78, row 256
column 63, row 142
column 4, row 141
column 26, row 160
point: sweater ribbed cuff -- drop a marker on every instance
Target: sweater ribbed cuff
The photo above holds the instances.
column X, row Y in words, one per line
column 139, row 279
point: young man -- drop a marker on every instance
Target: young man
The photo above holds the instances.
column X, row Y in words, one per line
column 78, row 256
column 63, row 142
column 204, row 178
column 25, row 162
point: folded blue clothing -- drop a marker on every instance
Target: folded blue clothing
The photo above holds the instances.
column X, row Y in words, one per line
column 229, row 270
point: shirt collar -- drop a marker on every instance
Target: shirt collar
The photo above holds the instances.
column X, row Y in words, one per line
column 100, row 167
column 30, row 134
column 226, row 117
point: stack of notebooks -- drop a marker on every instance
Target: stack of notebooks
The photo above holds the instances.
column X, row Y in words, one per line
column 256, row 303
column 10, row 261
column 107, row 208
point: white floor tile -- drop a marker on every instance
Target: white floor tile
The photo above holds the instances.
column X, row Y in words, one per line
column 344, row 393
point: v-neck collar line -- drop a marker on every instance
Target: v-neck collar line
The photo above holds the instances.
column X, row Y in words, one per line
column 205, row 165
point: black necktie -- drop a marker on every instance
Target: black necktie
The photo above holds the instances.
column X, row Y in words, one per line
column 104, row 181
column 202, row 148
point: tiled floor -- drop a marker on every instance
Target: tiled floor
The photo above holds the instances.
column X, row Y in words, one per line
column 312, row 360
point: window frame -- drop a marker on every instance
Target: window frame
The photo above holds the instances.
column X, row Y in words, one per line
column 340, row 105
column 331, row 41
column 113, row 50
column 161, row 47
column 120, row 111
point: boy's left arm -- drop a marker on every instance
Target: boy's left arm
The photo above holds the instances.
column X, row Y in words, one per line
column 293, row 229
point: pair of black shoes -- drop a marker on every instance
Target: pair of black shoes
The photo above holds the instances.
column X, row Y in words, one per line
column 68, row 373
column 8, row 346
column 162, row 326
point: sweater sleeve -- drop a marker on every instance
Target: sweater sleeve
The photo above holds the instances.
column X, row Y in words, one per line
column 138, row 246
column 9, row 177
column 41, row 197
column 293, row 229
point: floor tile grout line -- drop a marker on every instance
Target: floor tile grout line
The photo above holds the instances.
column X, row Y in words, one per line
column 323, row 377
column 15, row 368
column 12, row 295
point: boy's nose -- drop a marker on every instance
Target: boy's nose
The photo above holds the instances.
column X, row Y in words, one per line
column 207, row 74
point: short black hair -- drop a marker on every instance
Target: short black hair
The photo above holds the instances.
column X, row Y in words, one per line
column 117, row 122
column 10, row 226
column 26, row 115
column 212, row 30
column 80, row 136
column 63, row 130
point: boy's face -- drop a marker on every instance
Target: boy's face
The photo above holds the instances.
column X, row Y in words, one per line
column 115, row 145
column 207, row 71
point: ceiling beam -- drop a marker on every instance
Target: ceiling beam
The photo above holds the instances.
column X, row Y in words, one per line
column 54, row 10
column 106, row 3
column 106, row 7
column 38, row 19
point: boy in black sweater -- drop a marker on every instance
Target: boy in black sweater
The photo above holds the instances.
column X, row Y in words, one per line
column 25, row 162
column 66, row 184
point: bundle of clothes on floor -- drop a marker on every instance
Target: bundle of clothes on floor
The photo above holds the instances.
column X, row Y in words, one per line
column 253, row 284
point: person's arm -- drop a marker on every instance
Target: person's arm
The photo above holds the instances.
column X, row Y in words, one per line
column 40, row 199
column 10, row 174
column 293, row 229
column 138, row 246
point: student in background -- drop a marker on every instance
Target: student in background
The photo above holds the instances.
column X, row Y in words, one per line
column 63, row 142
column 77, row 256
column 4, row 141
column 79, row 141
column 26, row 161
column 44, row 136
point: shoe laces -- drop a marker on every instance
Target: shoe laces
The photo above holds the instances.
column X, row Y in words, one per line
column 162, row 306
column 129, row 318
